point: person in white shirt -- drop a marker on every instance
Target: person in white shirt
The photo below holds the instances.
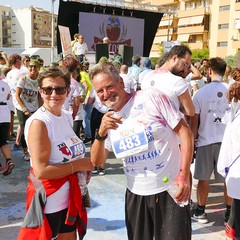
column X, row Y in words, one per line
column 128, row 81
column 81, row 48
column 212, row 113
column 141, row 128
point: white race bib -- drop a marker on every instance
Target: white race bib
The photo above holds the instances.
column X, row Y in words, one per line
column 76, row 147
column 130, row 138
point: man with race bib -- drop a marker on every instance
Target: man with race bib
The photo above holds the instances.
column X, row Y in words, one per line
column 142, row 129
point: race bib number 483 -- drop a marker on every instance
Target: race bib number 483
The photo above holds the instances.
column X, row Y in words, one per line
column 130, row 138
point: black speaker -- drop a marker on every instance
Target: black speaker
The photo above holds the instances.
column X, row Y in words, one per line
column 101, row 50
column 127, row 53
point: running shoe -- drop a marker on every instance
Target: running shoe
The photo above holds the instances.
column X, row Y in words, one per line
column 101, row 171
column 87, row 140
column 26, row 156
column 95, row 170
column 17, row 147
column 201, row 218
column 8, row 168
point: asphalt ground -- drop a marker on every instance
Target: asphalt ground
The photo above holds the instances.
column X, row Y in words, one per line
column 106, row 216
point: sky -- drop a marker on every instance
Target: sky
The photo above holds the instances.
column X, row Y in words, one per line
column 44, row 4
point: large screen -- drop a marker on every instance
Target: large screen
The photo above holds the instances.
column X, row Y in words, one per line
column 120, row 30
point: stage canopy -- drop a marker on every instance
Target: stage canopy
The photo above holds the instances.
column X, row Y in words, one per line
column 69, row 16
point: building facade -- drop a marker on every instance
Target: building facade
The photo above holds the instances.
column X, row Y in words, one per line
column 27, row 27
column 200, row 23
column 6, row 26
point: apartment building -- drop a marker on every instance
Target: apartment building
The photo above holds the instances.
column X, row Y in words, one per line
column 28, row 27
column 5, row 30
column 200, row 23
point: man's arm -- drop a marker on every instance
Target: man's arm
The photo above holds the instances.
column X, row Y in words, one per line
column 187, row 104
column 186, row 147
column 194, row 121
column 98, row 152
column 196, row 74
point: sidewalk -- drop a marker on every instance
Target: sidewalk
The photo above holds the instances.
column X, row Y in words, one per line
column 106, row 216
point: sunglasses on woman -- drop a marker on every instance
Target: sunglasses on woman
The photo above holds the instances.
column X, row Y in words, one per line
column 58, row 90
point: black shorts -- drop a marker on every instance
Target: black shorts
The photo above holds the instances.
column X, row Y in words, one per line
column 156, row 217
column 234, row 219
column 57, row 223
column 4, row 128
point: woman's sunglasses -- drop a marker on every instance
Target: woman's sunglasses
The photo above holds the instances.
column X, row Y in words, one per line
column 58, row 90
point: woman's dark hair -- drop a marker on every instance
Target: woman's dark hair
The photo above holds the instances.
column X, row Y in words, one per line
column 55, row 72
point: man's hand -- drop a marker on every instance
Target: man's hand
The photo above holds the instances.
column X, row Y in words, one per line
column 183, row 193
column 109, row 121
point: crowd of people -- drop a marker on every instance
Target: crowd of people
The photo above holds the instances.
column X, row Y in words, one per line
column 159, row 120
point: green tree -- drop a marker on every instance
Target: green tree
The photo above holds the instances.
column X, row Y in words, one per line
column 231, row 60
column 198, row 54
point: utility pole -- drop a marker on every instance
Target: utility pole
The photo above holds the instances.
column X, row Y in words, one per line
column 52, row 37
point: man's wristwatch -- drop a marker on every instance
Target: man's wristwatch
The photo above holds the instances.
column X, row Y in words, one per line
column 99, row 138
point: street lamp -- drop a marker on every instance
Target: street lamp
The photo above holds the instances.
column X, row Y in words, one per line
column 52, row 38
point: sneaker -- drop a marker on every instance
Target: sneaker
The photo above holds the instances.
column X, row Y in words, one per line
column 8, row 168
column 202, row 218
column 17, row 147
column 101, row 171
column 1, row 169
column 82, row 136
column 87, row 140
column 95, row 170
column 26, row 156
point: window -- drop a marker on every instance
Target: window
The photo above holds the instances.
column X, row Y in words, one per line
column 222, row 44
column 223, row 26
column 224, row 8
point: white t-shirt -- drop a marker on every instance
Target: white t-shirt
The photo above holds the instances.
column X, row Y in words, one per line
column 211, row 103
column 80, row 112
column 150, row 112
column 65, row 146
column 4, row 109
column 12, row 79
column 128, row 82
column 75, row 89
column 29, row 93
column 80, row 48
column 97, row 103
column 172, row 85
column 229, row 157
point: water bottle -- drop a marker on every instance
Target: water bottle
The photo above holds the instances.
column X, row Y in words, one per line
column 172, row 190
column 82, row 181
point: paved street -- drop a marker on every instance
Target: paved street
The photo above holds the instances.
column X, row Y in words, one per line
column 106, row 216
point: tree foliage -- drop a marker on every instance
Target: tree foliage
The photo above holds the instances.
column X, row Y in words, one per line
column 198, row 54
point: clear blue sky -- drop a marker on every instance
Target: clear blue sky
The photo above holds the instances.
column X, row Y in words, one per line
column 44, row 4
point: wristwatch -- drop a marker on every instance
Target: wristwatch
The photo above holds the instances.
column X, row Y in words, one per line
column 99, row 138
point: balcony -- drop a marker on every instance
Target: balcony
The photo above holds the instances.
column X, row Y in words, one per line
column 237, row 6
column 164, row 2
column 6, row 17
column 191, row 30
column 163, row 32
column 192, row 12
column 236, row 44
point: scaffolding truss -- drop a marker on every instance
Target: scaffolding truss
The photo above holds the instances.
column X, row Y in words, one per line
column 128, row 5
